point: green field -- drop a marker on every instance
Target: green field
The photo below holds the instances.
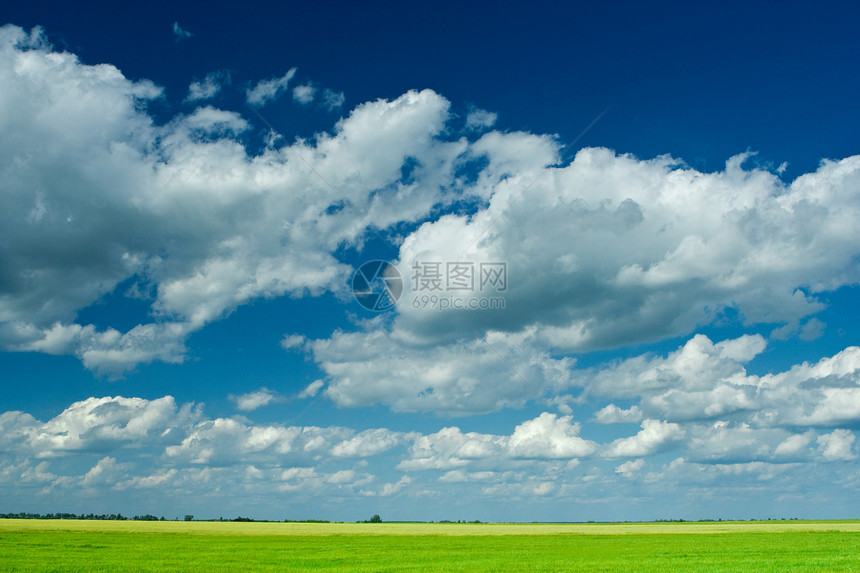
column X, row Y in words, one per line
column 53, row 545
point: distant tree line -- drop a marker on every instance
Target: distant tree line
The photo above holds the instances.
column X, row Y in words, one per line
column 719, row 520
column 103, row 516
column 251, row 520
column 147, row 517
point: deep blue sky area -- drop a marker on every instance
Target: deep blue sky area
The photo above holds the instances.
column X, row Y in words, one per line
column 698, row 80
column 186, row 190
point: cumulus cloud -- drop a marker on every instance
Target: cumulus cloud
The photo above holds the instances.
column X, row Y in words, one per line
column 482, row 375
column 653, row 436
column 612, row 414
column 208, row 87
column 837, row 446
column 368, row 443
column 677, row 246
column 630, row 468
column 269, row 90
column 199, row 224
column 480, row 119
column 105, row 472
column 546, row 438
column 226, row 441
column 304, row 94
column 257, row 399
column 99, row 425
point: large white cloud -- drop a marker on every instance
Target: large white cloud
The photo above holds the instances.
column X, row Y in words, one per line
column 96, row 194
column 99, row 425
column 481, row 375
column 610, row 249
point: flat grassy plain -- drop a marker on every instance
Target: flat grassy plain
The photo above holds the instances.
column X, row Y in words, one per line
column 69, row 545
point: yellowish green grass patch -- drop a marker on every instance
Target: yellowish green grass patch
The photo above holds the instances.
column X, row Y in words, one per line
column 36, row 545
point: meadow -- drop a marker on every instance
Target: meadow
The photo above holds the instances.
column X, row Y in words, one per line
column 69, row 545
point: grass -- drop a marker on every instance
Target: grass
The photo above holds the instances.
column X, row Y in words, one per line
column 36, row 545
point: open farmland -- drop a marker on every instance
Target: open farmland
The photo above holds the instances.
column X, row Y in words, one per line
column 51, row 545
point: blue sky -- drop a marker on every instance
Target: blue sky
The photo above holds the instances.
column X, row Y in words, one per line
column 670, row 192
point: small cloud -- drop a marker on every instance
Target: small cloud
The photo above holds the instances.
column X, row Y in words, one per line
column 269, row 90
column 312, row 389
column 630, row 468
column 612, row 414
column 208, row 88
column 254, row 400
column 304, row 94
column 480, row 119
column 291, row 341
column 179, row 32
column 813, row 329
column 332, row 100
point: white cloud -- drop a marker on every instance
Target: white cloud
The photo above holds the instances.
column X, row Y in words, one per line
column 612, row 414
column 676, row 245
column 480, row 119
column 106, row 471
column 393, row 488
column 199, row 224
column 105, row 424
column 630, row 468
column 368, row 443
column 312, row 389
column 482, row 375
column 207, row 88
column 293, row 341
column 158, row 479
column 653, row 436
column 548, row 436
column 304, row 94
column 545, row 438
column 837, row 445
column 794, row 446
column 257, row 399
column 224, row 442
column 450, row 448
column 723, row 442
column 269, row 90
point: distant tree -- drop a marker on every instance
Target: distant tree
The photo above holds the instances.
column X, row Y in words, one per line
column 375, row 519
column 188, row 517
